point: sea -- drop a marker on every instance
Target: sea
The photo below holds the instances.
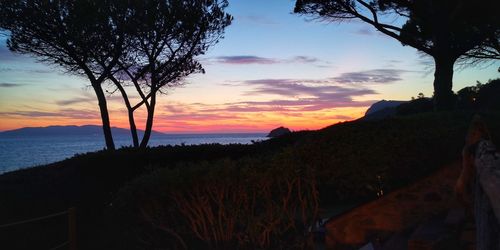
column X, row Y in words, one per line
column 17, row 152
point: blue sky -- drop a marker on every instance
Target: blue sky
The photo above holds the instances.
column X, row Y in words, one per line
column 273, row 68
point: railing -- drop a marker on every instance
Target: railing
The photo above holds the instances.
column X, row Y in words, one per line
column 71, row 212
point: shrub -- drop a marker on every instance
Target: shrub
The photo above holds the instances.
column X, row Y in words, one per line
column 419, row 105
column 266, row 201
column 249, row 204
column 488, row 95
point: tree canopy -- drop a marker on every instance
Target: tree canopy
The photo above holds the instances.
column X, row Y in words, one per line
column 166, row 37
column 152, row 44
column 446, row 30
column 82, row 37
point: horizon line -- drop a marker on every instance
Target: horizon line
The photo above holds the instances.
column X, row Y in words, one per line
column 157, row 131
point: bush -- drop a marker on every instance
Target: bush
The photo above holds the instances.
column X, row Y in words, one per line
column 266, row 202
column 249, row 204
column 419, row 105
column 488, row 96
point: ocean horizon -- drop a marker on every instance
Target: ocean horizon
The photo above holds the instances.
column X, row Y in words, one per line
column 18, row 152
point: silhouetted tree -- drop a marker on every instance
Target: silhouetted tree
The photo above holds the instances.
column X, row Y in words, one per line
column 446, row 30
column 84, row 37
column 415, row 106
column 150, row 44
column 488, row 95
column 165, row 36
column 467, row 97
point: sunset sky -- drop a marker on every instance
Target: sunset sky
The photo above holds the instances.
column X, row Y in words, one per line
column 273, row 68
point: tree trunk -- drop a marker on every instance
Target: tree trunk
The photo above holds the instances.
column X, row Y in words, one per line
column 103, row 107
column 133, row 128
column 130, row 110
column 149, row 122
column 444, row 99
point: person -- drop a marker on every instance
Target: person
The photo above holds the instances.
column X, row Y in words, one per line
column 479, row 182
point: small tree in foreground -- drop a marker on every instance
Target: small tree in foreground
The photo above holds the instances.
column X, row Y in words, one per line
column 445, row 30
column 245, row 204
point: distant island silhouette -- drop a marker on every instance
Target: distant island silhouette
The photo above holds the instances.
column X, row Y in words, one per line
column 84, row 130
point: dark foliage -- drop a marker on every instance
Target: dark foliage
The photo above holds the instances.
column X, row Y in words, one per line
column 480, row 97
column 419, row 105
column 250, row 203
column 346, row 158
column 489, row 96
column 90, row 182
column 467, row 98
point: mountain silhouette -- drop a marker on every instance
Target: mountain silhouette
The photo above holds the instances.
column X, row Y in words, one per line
column 71, row 130
column 382, row 109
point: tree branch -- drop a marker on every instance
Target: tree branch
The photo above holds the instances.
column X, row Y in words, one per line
column 384, row 28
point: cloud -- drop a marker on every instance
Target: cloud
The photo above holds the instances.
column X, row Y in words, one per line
column 74, row 101
column 292, row 98
column 30, row 114
column 394, row 61
column 293, row 105
column 258, row 19
column 6, row 69
column 40, row 71
column 10, row 85
column 298, row 95
column 25, row 70
column 175, row 107
column 293, row 101
column 304, row 95
column 252, row 59
column 88, row 97
column 245, row 60
column 20, row 61
column 371, row 76
column 341, row 117
column 365, row 31
column 304, row 59
column 62, row 113
column 322, row 88
column 216, row 127
column 197, row 117
column 5, row 53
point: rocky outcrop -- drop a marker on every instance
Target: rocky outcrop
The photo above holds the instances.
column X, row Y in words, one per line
column 277, row 132
column 382, row 109
column 380, row 105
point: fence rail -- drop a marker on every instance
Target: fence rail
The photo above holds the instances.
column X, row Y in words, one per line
column 33, row 219
column 71, row 212
column 60, row 245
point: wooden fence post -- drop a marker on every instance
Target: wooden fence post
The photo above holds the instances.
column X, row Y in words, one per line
column 72, row 228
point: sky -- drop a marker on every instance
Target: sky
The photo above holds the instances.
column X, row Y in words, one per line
column 272, row 68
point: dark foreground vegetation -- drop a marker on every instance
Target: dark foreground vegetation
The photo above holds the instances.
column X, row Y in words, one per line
column 262, row 195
